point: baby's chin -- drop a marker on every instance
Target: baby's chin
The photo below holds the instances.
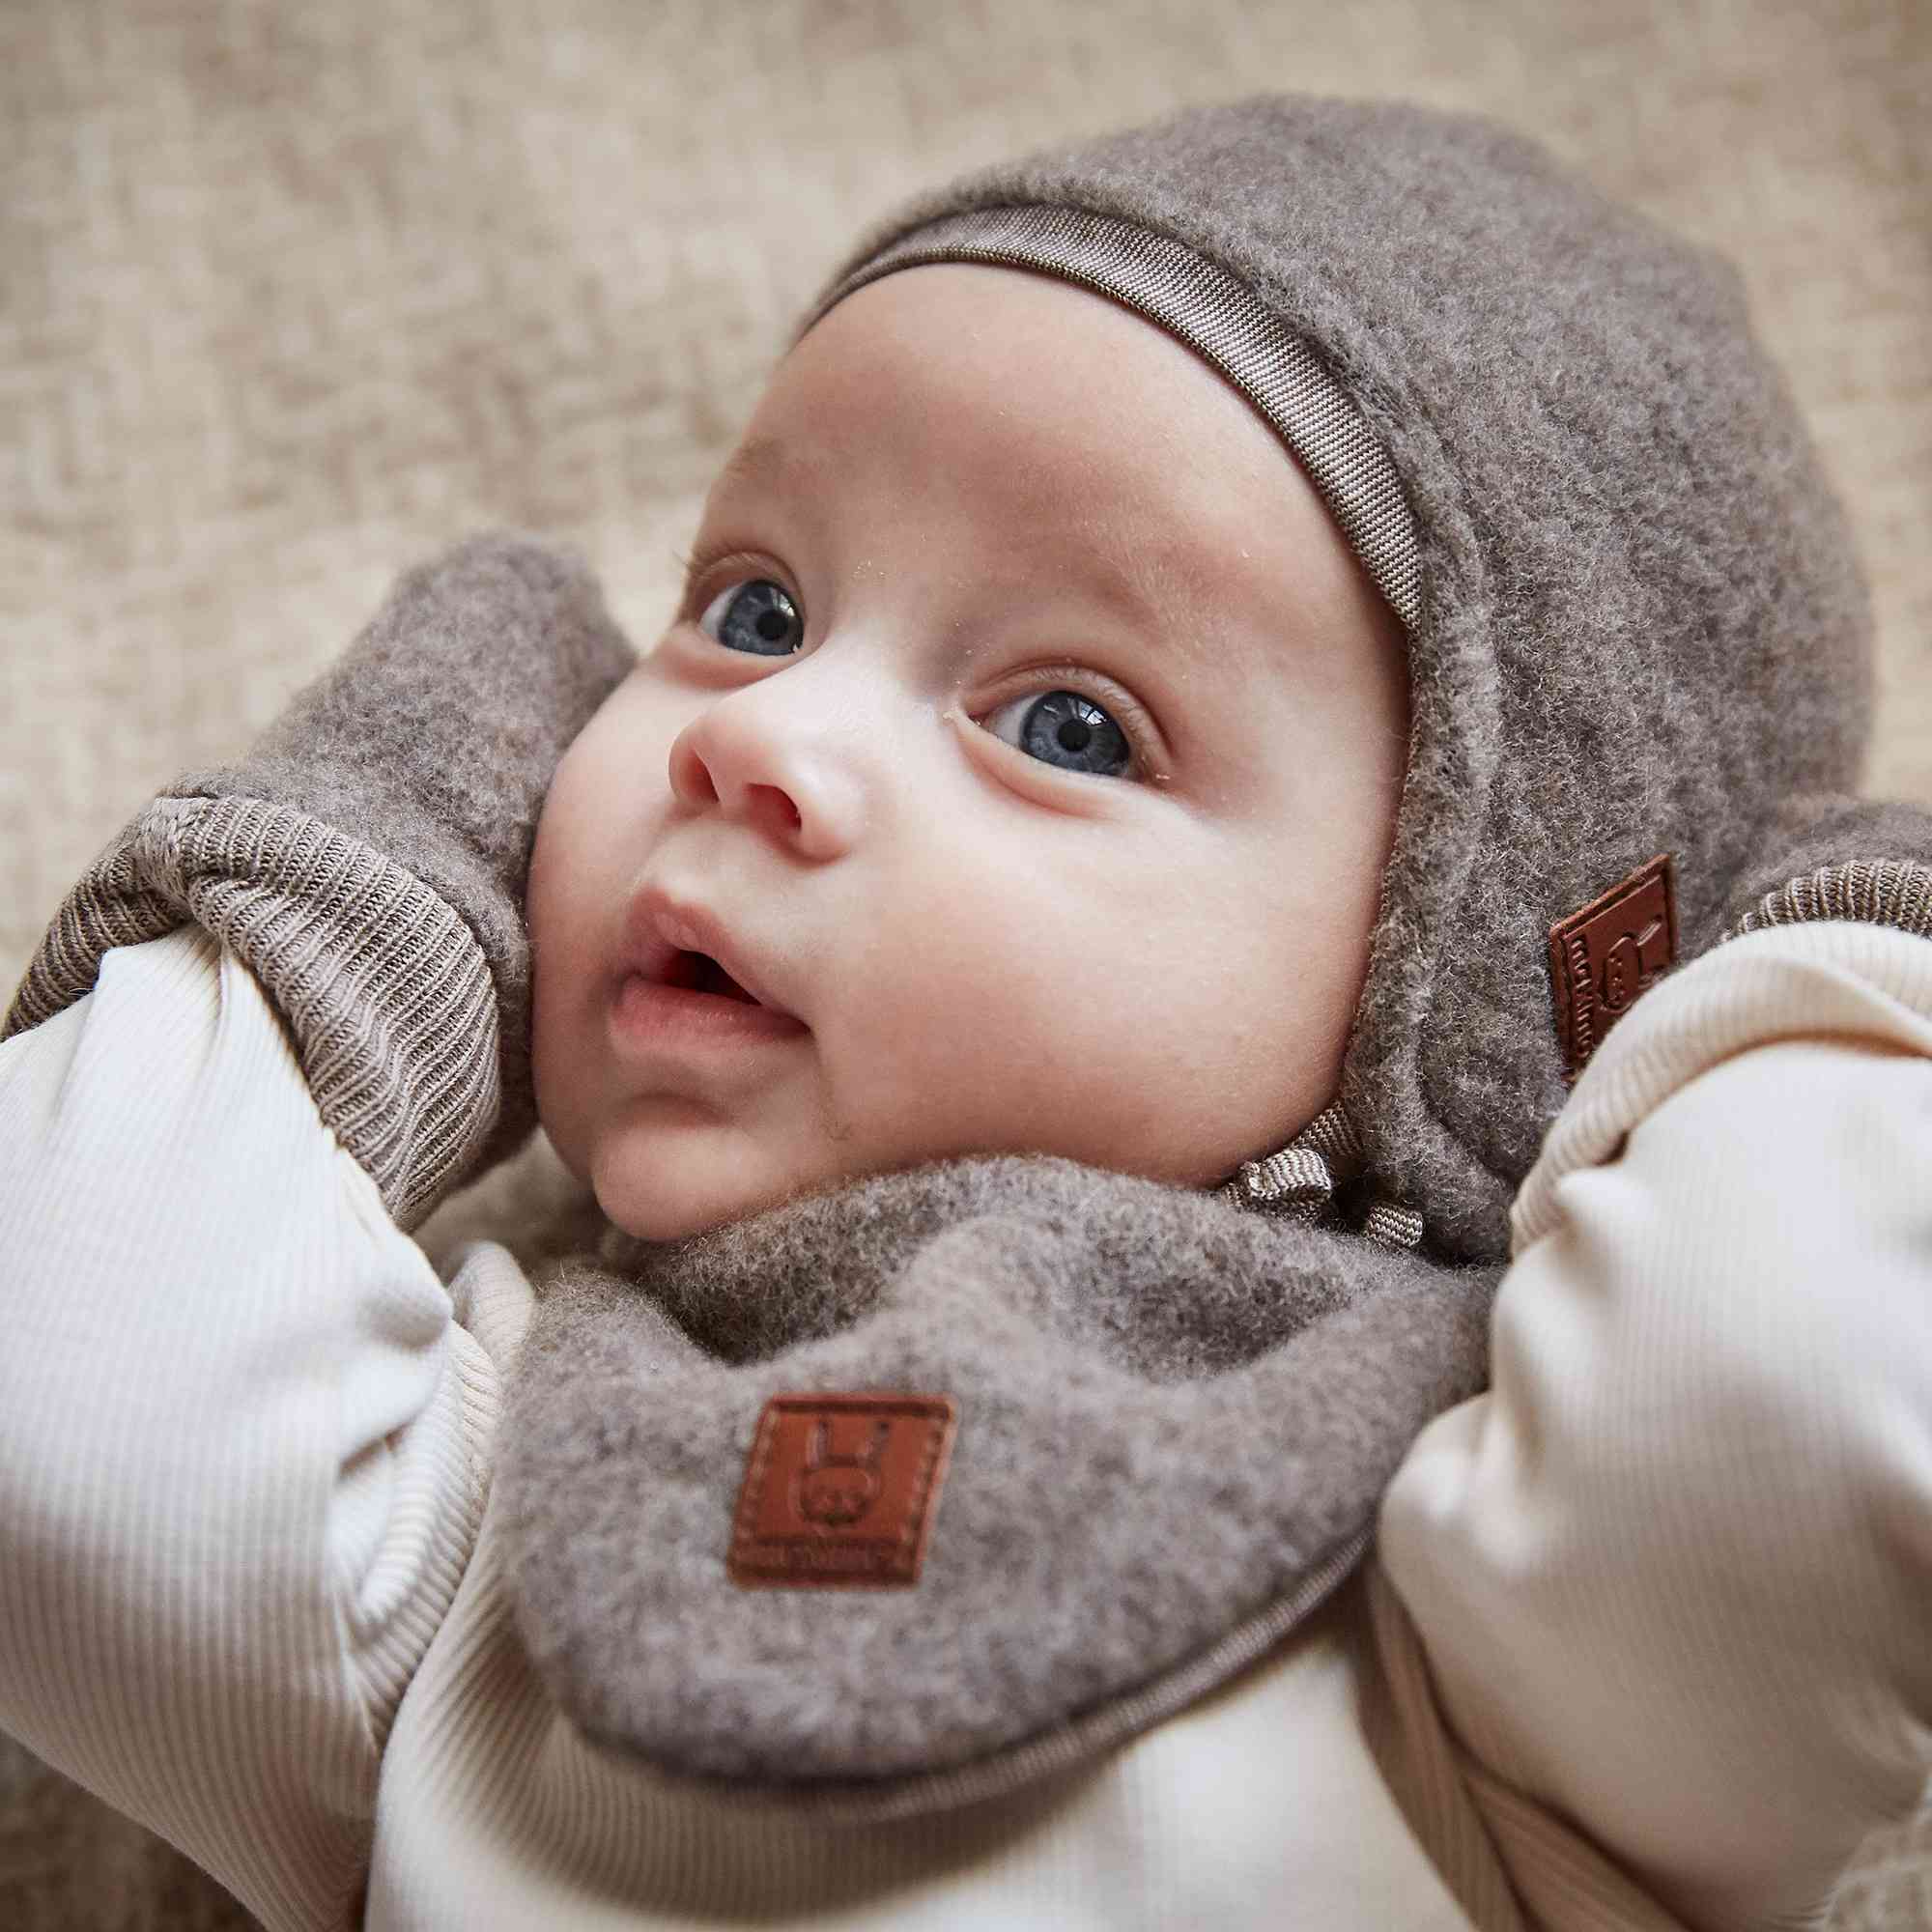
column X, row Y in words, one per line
column 669, row 1196
column 659, row 1220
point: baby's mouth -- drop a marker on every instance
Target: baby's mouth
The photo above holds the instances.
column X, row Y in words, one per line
column 682, row 945
column 702, row 974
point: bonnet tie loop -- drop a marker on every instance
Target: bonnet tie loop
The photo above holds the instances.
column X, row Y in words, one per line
column 1300, row 1179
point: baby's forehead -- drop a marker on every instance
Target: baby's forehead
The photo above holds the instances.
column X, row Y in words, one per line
column 1056, row 386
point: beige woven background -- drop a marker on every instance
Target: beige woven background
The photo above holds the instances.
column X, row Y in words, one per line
column 292, row 294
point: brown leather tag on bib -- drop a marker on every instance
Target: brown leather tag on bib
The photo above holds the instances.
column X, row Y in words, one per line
column 841, row 1490
column 1603, row 955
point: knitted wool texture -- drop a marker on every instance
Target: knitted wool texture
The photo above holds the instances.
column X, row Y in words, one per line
column 1642, row 624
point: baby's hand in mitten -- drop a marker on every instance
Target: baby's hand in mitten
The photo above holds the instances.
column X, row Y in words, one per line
column 368, row 858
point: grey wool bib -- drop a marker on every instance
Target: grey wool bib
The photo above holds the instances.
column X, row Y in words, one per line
column 1172, row 1423
column 917, row 1489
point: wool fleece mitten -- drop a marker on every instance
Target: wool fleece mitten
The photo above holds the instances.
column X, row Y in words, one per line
column 368, row 858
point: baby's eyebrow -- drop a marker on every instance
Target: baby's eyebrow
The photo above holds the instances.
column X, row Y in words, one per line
column 763, row 460
column 1161, row 584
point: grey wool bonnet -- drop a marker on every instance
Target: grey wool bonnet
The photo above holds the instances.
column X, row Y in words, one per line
column 1636, row 624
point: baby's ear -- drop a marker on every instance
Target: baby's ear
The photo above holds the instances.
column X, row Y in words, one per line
column 1833, row 857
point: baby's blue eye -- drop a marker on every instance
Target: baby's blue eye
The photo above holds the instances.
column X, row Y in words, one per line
column 754, row 614
column 1063, row 728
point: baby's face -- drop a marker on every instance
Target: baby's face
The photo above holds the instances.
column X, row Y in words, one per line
column 1029, row 741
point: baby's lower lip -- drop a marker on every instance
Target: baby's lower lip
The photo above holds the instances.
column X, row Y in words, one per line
column 651, row 1014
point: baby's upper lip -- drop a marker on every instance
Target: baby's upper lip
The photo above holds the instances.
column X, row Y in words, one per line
column 661, row 924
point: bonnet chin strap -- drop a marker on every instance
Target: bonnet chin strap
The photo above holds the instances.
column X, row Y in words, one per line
column 1302, row 1179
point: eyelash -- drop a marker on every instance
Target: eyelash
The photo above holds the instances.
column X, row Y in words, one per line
column 697, row 565
column 701, row 582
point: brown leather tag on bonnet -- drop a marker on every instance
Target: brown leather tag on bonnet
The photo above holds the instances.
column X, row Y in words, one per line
column 1608, row 953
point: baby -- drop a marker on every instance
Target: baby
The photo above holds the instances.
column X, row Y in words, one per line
column 1225, row 1004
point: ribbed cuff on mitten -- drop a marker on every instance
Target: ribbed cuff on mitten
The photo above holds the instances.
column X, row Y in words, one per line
column 1885, row 891
column 385, row 991
column 1867, row 860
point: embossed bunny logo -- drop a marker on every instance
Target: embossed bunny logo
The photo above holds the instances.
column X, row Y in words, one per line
column 833, row 1490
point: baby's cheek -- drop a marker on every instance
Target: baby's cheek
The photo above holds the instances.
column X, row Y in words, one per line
column 561, row 1081
column 1014, row 1044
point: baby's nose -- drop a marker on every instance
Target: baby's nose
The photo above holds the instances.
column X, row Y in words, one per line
column 762, row 769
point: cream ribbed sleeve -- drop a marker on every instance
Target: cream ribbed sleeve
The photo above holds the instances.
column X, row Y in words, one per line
column 238, row 1480
column 1673, row 1573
